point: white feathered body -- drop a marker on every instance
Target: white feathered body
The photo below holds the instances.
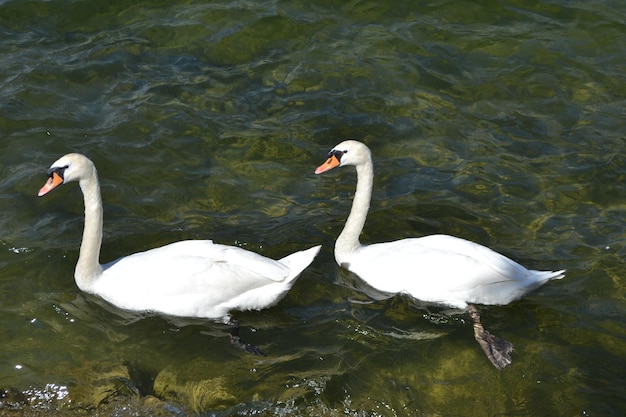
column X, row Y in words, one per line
column 199, row 278
column 445, row 270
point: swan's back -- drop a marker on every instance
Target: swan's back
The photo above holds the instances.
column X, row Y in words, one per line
column 447, row 270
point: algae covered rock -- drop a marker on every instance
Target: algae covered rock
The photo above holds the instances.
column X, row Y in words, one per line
column 100, row 382
column 195, row 385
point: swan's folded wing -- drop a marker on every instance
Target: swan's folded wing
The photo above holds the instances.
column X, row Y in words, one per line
column 446, row 270
column 203, row 258
column 192, row 278
column 188, row 267
column 266, row 267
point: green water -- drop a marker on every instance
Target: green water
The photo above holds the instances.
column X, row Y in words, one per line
column 499, row 122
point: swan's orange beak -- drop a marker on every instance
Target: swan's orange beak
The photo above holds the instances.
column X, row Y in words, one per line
column 330, row 163
column 53, row 182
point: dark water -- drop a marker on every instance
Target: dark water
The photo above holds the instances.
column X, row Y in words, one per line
column 500, row 122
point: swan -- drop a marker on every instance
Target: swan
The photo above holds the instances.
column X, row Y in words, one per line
column 191, row 278
column 438, row 269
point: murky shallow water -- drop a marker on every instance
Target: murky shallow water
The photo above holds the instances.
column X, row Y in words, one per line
column 500, row 122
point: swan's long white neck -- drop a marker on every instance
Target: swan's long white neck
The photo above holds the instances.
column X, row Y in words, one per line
column 348, row 241
column 88, row 267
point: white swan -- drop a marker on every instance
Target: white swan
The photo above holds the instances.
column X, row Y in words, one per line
column 440, row 269
column 193, row 278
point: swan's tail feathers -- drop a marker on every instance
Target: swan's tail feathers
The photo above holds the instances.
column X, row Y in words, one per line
column 543, row 276
column 298, row 261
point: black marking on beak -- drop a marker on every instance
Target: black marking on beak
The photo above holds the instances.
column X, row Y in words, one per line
column 337, row 154
column 59, row 171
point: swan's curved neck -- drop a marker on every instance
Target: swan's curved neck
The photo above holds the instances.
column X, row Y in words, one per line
column 88, row 267
column 348, row 241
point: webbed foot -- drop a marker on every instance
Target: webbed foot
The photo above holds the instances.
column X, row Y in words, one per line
column 497, row 350
column 241, row 344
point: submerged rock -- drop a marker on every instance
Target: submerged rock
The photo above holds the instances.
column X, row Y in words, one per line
column 98, row 383
column 187, row 386
column 11, row 398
